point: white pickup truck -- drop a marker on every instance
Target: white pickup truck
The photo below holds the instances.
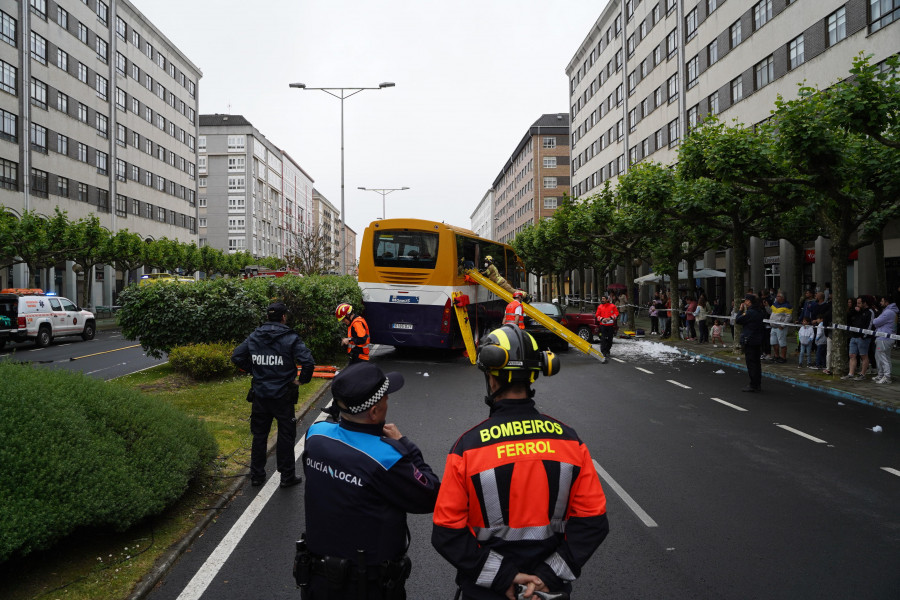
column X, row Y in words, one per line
column 42, row 317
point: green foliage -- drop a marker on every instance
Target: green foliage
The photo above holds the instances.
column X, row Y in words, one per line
column 166, row 315
column 203, row 361
column 78, row 452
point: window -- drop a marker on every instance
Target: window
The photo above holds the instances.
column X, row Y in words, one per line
column 7, row 29
column 120, row 98
column 202, row 221
column 657, row 97
column 714, row 103
column 82, row 113
column 62, row 187
column 38, row 93
column 670, row 5
column 39, row 138
column 62, row 144
column 102, row 11
column 692, row 117
column 236, row 184
column 120, row 28
column 672, row 87
column 690, row 22
column 549, row 162
column 549, row 183
column 712, row 52
column 102, row 49
column 673, row 133
column 82, row 152
column 82, row 33
column 236, row 244
column 102, row 87
column 837, row 26
column 236, row 143
column 82, row 192
column 672, row 42
column 236, row 164
column 102, row 162
column 883, row 12
column 765, row 72
column 549, row 142
column 136, row 207
column 39, row 7
column 62, row 17
column 62, row 59
column 201, row 144
column 135, row 173
column 102, row 125
column 795, row 52
column 161, row 214
column 9, row 174
column 657, row 55
column 202, row 202
column 735, row 31
column 135, row 38
column 645, row 147
column 121, row 135
column 551, row 203
column 38, row 48
column 236, row 204
column 39, row 183
column 711, row 5
column 82, row 73
column 762, row 13
column 62, row 102
column 737, row 89
column 120, row 169
column 236, row 224
column 9, row 123
column 630, row 45
column 121, row 206
column 201, row 164
column 693, row 71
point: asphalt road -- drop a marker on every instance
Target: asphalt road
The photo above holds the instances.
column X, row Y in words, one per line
column 107, row 356
column 711, row 493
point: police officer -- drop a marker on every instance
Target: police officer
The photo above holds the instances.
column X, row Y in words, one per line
column 521, row 503
column 357, row 341
column 271, row 354
column 362, row 477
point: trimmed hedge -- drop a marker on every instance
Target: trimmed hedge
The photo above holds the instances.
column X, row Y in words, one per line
column 165, row 315
column 78, row 452
column 204, row 361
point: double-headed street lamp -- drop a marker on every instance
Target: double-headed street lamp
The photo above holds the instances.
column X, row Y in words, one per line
column 342, row 93
column 384, row 192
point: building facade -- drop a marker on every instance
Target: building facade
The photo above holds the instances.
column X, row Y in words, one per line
column 647, row 72
column 534, row 180
column 253, row 197
column 327, row 221
column 99, row 116
column 482, row 218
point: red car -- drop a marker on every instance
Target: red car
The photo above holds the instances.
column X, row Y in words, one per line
column 584, row 324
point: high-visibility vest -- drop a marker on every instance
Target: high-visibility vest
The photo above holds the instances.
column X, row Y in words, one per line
column 361, row 350
column 512, row 317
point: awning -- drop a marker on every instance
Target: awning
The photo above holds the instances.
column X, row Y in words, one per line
column 682, row 275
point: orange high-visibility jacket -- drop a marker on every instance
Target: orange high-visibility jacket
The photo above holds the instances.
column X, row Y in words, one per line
column 511, row 315
column 358, row 332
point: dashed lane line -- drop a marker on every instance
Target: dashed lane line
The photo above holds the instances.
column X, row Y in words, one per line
column 681, row 385
column 619, row 360
column 625, row 496
column 644, row 371
column 800, row 433
column 729, row 404
column 891, row 471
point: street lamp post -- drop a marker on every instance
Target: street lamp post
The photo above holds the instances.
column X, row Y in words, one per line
column 342, row 93
column 384, row 192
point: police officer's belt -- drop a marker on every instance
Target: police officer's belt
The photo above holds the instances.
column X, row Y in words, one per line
column 344, row 570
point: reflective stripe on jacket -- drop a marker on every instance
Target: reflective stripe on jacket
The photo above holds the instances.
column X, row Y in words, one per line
column 358, row 332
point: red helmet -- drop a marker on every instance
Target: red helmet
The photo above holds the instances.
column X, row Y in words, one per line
column 519, row 294
column 343, row 310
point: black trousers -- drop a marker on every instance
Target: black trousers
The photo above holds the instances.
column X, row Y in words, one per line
column 754, row 366
column 606, row 337
column 704, row 330
column 654, row 324
column 321, row 589
column 261, row 415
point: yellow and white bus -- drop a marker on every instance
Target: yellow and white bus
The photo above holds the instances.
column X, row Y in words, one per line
column 408, row 269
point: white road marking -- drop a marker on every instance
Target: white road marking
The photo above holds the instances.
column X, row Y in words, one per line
column 202, row 578
column 729, row 404
column 673, row 382
column 800, row 433
column 891, row 471
column 618, row 489
column 644, row 371
column 617, row 359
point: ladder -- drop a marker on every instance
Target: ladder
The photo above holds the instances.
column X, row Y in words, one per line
column 573, row 338
column 460, row 301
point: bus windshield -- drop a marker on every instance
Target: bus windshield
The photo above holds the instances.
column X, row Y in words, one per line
column 408, row 249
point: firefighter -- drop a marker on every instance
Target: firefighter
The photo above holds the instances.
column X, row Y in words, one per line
column 490, row 271
column 520, row 502
column 357, row 341
column 515, row 312
column 606, row 317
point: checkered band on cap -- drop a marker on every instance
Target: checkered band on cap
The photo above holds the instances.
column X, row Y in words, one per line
column 355, row 410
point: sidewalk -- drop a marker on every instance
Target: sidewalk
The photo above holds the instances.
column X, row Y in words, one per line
column 886, row 396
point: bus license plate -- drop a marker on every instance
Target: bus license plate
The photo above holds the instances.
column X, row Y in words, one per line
column 402, row 326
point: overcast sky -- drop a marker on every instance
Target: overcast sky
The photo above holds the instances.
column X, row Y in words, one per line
column 471, row 77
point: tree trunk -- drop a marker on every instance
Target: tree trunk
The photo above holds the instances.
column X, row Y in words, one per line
column 738, row 266
column 629, row 292
column 880, row 271
column 675, row 315
column 839, row 337
column 797, row 279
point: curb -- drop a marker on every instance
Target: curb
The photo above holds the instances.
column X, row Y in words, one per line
column 170, row 556
column 843, row 395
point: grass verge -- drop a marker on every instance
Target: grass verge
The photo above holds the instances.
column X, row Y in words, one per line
column 102, row 564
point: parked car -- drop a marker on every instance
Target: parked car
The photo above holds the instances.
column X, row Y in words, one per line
column 543, row 336
column 584, row 324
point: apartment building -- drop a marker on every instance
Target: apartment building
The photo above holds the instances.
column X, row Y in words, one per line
column 327, row 221
column 482, row 218
column 648, row 71
column 99, row 116
column 534, row 179
column 253, row 197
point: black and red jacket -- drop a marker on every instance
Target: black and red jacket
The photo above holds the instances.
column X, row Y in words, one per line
column 519, row 494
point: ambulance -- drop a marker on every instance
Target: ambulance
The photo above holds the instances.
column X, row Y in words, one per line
column 30, row 314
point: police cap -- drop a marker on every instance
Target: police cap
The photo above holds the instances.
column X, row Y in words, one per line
column 361, row 385
column 276, row 310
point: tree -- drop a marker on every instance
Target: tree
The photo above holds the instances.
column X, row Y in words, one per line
column 89, row 243
column 312, row 253
column 211, row 261
column 39, row 241
column 125, row 249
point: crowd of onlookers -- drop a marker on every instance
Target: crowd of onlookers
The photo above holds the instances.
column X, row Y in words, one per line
column 810, row 327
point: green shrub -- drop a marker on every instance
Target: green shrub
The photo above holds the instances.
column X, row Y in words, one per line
column 165, row 315
column 203, row 361
column 79, row 452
